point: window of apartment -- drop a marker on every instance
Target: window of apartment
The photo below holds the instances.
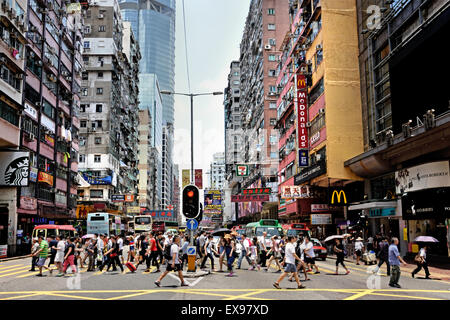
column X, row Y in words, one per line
column 99, row 91
column 236, row 99
column 82, row 158
column 84, row 91
column 272, row 42
column 236, row 82
column 97, row 158
column 86, row 44
column 273, row 121
column 272, row 105
column 84, row 76
column 236, row 74
column 98, row 140
column 85, row 59
column 100, row 75
column 272, row 89
column 274, row 155
column 88, row 13
column 101, row 28
column 48, row 110
column 83, row 124
column 271, row 26
column 272, row 57
column 96, row 193
column 87, row 29
column 236, row 91
column 99, row 123
column 272, row 73
column 271, row 11
column 98, row 108
column 316, row 91
column 83, row 108
column 319, row 57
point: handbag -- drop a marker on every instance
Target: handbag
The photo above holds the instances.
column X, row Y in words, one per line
column 418, row 258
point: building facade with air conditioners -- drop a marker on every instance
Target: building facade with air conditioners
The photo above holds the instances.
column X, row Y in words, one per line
column 13, row 26
column 319, row 114
column 233, row 140
column 109, row 110
column 406, row 117
column 44, row 78
column 265, row 28
column 167, row 166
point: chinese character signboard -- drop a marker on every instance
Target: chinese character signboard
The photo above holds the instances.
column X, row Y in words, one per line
column 161, row 215
column 295, row 192
column 118, row 198
column 320, row 219
column 185, row 176
column 250, row 198
column 242, row 170
column 199, row 178
column 246, row 192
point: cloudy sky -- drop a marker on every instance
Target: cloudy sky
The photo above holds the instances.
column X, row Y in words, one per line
column 214, row 31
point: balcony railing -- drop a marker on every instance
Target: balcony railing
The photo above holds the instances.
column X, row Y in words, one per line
column 47, row 195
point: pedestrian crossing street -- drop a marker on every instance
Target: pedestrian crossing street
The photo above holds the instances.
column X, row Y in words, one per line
column 20, row 270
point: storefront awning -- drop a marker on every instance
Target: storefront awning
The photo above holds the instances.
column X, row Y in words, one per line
column 373, row 205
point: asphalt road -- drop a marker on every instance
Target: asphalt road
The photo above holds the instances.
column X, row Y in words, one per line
column 16, row 282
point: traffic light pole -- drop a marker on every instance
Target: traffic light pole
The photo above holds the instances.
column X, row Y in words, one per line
column 191, row 232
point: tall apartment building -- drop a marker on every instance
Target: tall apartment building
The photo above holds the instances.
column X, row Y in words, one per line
column 176, row 194
column 406, row 121
column 265, row 28
column 109, row 108
column 167, row 166
column 40, row 85
column 217, row 171
column 153, row 23
column 233, row 139
column 321, row 123
column 145, row 155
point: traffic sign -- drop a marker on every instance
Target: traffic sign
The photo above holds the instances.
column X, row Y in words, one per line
column 191, row 251
column 192, row 224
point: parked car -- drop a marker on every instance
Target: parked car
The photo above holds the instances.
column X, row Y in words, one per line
column 319, row 250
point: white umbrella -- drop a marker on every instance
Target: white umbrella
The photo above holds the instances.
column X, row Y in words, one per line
column 334, row 237
column 425, row 239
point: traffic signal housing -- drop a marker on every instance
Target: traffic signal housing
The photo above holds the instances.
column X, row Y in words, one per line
column 191, row 202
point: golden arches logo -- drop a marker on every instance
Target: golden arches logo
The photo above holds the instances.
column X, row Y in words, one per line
column 301, row 83
column 338, row 194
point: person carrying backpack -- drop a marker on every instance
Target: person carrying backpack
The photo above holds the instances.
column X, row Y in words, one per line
column 171, row 254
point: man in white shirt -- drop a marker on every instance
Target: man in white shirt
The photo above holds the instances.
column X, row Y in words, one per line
column 359, row 247
column 245, row 252
column 310, row 256
column 289, row 262
column 264, row 249
column 174, row 264
column 120, row 243
column 422, row 263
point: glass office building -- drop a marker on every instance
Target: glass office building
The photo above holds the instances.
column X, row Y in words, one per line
column 153, row 23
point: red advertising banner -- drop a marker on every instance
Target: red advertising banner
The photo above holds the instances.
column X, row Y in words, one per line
column 302, row 112
column 198, row 175
column 254, row 198
column 28, row 203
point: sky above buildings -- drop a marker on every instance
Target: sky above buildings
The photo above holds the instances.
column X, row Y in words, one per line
column 214, row 31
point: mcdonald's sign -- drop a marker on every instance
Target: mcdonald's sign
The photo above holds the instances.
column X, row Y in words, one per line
column 338, row 197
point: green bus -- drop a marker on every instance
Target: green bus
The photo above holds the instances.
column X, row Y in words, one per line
column 271, row 226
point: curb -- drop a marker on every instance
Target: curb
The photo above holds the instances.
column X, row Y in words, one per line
column 14, row 258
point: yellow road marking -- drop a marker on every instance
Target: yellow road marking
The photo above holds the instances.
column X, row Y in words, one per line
column 152, row 268
column 31, row 274
column 15, row 265
column 401, row 296
column 70, row 296
column 17, row 272
column 13, row 269
column 133, row 295
column 358, row 295
column 247, row 295
column 22, row 296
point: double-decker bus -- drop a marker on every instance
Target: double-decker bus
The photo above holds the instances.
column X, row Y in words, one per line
column 142, row 223
column 159, row 226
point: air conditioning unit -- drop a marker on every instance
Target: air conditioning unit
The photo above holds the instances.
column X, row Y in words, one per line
column 68, row 78
column 3, row 60
column 52, row 190
column 19, row 76
column 308, row 124
column 30, row 137
column 319, row 47
column 100, row 16
column 267, row 47
column 303, row 70
column 321, row 110
column 38, row 104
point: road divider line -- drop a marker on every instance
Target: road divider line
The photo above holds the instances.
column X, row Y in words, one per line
column 13, row 269
column 19, row 297
column 247, row 295
column 359, row 295
column 133, row 295
column 31, row 274
column 402, row 296
column 69, row 296
column 13, row 266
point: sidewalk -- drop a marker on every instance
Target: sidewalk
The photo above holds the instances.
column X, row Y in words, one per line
column 436, row 271
column 14, row 258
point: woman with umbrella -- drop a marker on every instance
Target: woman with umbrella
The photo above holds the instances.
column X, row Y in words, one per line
column 339, row 249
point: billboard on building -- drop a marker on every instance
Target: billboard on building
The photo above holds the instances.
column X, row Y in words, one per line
column 185, row 177
column 302, row 112
column 14, row 168
column 213, row 202
column 295, row 192
column 426, row 176
column 198, row 175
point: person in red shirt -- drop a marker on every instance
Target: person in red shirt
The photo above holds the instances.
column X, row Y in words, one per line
column 152, row 253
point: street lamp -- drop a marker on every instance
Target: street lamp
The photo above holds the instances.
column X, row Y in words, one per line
column 192, row 95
